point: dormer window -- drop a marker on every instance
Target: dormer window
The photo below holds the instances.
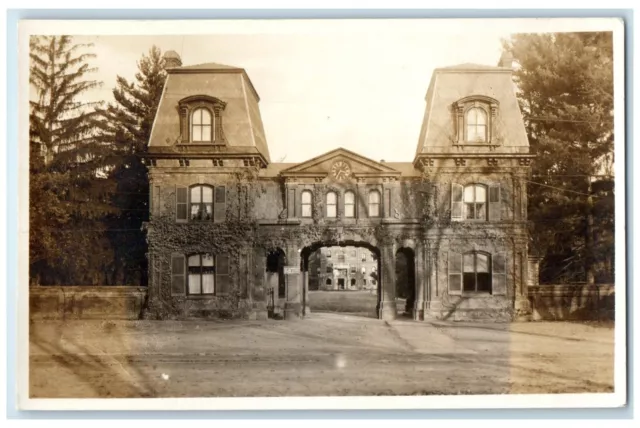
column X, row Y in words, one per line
column 201, row 120
column 475, row 119
column 201, row 125
column 476, row 125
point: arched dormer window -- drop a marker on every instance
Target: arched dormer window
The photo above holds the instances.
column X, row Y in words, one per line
column 201, row 125
column 476, row 125
column 475, row 118
column 332, row 205
column 201, row 120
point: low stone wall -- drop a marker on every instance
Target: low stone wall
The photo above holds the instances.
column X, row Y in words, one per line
column 572, row 302
column 86, row 302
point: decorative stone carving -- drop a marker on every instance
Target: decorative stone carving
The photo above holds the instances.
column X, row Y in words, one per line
column 524, row 161
column 492, row 162
column 460, row 162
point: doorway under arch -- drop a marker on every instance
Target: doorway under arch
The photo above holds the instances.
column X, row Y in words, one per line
column 406, row 278
column 347, row 276
column 275, row 281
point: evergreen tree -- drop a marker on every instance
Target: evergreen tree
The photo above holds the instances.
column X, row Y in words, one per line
column 68, row 194
column 130, row 120
column 565, row 88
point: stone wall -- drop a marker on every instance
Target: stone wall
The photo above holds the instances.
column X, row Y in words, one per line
column 86, row 302
column 572, row 302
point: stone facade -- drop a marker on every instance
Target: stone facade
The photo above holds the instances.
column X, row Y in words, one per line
column 231, row 233
column 343, row 268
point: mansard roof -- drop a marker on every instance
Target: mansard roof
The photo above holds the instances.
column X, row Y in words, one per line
column 241, row 120
column 453, row 84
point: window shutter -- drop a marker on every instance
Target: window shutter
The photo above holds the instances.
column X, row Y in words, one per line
column 291, row 203
column 494, row 202
column 220, row 205
column 222, row 275
column 181, row 203
column 456, row 201
column 455, row 273
column 499, row 274
column 178, row 274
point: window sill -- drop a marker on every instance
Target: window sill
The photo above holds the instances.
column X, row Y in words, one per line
column 475, row 294
column 201, row 296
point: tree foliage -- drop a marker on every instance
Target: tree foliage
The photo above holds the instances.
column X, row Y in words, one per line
column 68, row 194
column 565, row 89
column 130, row 120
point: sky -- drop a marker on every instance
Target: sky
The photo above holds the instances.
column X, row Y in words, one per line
column 362, row 90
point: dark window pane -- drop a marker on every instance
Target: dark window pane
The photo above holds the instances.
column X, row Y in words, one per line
column 182, row 195
column 456, row 193
column 469, row 282
column 470, row 211
column 221, row 195
column 484, row 282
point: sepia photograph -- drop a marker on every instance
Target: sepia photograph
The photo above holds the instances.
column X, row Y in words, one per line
column 344, row 209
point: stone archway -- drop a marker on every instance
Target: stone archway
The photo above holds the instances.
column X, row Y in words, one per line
column 375, row 283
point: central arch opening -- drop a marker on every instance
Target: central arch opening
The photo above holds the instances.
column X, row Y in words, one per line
column 342, row 278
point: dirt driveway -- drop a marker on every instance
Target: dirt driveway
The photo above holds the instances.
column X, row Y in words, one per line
column 325, row 354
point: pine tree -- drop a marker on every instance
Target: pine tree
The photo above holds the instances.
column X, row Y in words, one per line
column 130, row 120
column 565, row 88
column 68, row 194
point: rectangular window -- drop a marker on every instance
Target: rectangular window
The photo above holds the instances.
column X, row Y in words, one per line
column 201, row 271
column 291, row 203
column 353, row 269
column 364, row 257
column 329, row 269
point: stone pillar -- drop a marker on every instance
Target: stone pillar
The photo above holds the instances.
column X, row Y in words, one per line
column 388, row 307
column 305, row 274
column 533, row 279
column 432, row 304
column 257, row 293
column 294, row 285
column 420, row 282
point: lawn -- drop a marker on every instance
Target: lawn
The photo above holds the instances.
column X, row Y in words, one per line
column 324, row 354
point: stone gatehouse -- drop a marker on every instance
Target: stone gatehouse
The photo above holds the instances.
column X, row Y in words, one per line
column 229, row 228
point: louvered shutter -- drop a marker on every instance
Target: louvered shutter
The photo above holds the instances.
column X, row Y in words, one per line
column 455, row 273
column 178, row 282
column 456, row 201
column 181, row 203
column 494, row 202
column 220, row 205
column 499, row 274
column 223, row 283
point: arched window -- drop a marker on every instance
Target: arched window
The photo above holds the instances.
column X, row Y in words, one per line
column 476, row 272
column 475, row 202
column 353, row 282
column 328, row 281
column 332, row 205
column 201, row 203
column 349, row 204
column 476, row 121
column 201, row 125
column 306, row 203
column 374, row 203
